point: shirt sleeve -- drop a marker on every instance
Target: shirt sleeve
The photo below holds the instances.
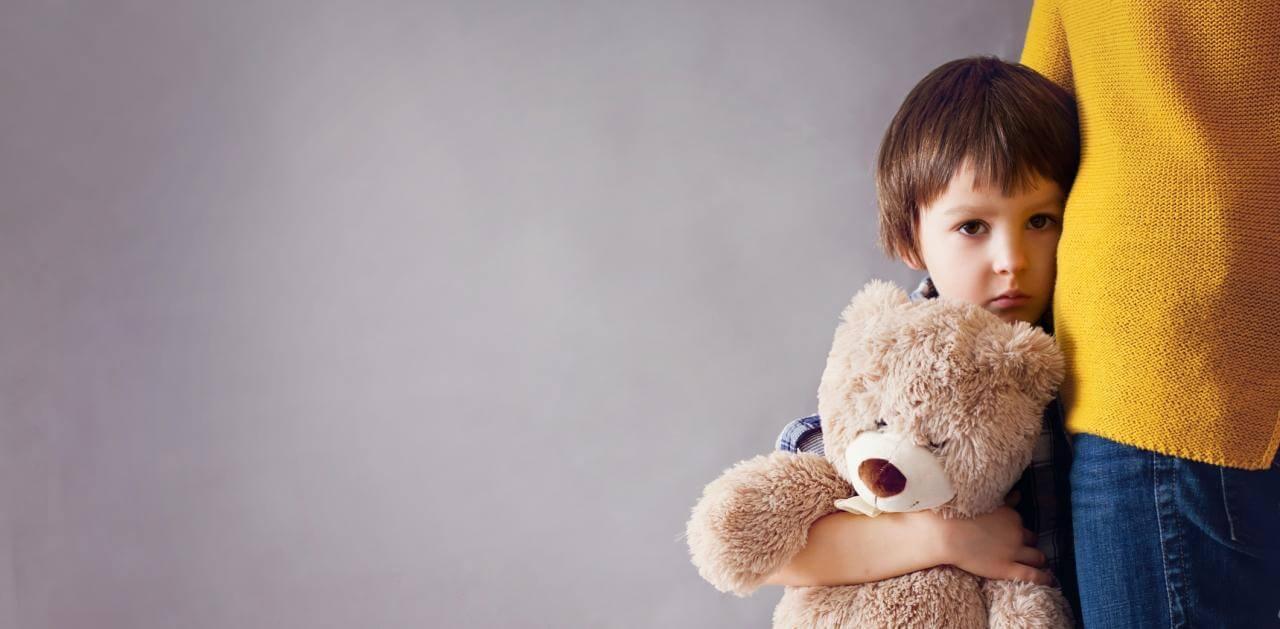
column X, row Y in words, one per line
column 1045, row 49
column 802, row 435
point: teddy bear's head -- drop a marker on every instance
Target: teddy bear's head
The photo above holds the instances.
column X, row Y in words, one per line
column 934, row 404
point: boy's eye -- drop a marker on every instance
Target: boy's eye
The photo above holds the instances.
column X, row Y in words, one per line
column 971, row 228
column 1041, row 221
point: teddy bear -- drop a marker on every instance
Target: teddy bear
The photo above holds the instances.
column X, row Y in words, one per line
column 934, row 404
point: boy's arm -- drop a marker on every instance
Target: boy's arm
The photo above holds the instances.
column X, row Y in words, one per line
column 845, row 549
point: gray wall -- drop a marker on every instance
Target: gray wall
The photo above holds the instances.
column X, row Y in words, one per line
column 394, row 314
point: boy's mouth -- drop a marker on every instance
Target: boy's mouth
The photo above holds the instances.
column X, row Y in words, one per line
column 1010, row 299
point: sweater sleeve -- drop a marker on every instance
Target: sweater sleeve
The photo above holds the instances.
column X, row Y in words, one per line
column 1045, row 49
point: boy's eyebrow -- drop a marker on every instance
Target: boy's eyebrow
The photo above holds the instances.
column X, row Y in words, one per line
column 965, row 208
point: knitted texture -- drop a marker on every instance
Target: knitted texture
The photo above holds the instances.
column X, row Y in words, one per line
column 1168, row 288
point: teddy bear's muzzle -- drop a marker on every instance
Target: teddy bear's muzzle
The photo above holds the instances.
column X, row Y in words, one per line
column 882, row 477
column 891, row 473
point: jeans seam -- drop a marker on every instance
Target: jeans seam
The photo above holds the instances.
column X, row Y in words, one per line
column 1170, row 548
column 1164, row 562
column 1226, row 506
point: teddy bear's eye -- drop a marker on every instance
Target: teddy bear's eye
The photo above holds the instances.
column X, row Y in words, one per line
column 880, row 423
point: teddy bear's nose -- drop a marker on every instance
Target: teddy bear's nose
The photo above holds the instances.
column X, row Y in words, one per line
column 881, row 477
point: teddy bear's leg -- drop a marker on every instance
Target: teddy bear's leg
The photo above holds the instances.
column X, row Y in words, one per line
column 754, row 518
column 827, row 607
column 1017, row 604
column 939, row 598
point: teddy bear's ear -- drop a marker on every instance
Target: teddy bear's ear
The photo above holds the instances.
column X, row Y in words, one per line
column 855, row 362
column 876, row 298
column 1030, row 357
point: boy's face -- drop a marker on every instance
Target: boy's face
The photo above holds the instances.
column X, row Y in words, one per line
column 981, row 246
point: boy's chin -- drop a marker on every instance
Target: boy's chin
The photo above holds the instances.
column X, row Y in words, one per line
column 1014, row 316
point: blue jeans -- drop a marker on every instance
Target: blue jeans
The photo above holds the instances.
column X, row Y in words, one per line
column 1166, row 542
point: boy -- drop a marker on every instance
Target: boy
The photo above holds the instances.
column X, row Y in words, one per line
column 972, row 176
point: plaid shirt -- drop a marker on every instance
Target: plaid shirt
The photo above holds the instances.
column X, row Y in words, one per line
column 1045, row 505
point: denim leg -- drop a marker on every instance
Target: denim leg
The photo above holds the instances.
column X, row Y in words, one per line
column 1167, row 542
column 1119, row 562
column 1229, row 524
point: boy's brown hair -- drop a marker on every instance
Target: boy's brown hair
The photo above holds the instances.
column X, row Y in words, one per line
column 1005, row 120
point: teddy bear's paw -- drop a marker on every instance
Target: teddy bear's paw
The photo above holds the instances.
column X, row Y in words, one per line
column 1020, row 605
column 756, row 516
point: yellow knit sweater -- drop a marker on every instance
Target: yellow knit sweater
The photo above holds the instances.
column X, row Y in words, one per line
column 1168, row 296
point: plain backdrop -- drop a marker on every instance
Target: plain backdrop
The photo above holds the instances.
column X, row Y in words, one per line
column 421, row 314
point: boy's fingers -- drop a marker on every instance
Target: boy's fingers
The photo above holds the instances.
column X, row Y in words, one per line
column 1027, row 573
column 1029, row 556
column 1042, row 577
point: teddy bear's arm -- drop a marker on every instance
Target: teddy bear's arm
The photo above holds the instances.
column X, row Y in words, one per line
column 755, row 518
column 1018, row 604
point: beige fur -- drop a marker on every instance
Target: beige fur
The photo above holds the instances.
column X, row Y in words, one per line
column 940, row 372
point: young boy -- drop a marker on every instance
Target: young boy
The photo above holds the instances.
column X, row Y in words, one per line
column 971, row 179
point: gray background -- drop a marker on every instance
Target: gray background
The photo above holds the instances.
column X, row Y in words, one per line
column 393, row 314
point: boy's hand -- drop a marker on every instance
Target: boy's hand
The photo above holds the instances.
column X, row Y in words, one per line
column 994, row 546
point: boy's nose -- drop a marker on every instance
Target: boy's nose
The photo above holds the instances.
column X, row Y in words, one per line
column 1011, row 258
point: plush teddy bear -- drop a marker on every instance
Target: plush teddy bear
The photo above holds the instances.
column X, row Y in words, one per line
column 935, row 405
